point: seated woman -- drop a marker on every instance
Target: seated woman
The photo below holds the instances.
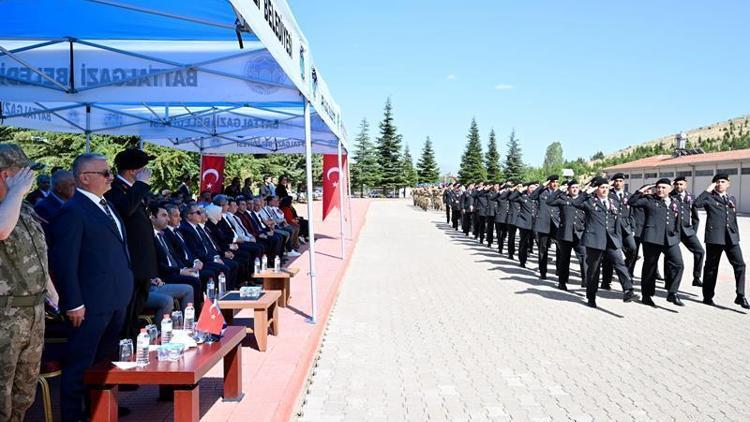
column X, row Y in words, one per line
column 290, row 214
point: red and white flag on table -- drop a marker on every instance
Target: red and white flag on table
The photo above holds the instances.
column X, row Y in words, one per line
column 210, row 319
column 333, row 179
column 212, row 173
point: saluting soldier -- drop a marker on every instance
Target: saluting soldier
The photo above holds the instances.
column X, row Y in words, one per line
column 514, row 208
column 602, row 236
column 467, row 205
column 689, row 224
column 661, row 235
column 569, row 233
column 447, row 193
column 481, row 202
column 524, row 218
column 489, row 215
column 547, row 220
column 722, row 235
column 620, row 198
column 455, row 205
column 501, row 215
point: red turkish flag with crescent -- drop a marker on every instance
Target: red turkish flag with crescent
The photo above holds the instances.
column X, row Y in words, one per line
column 333, row 179
column 212, row 173
column 210, row 319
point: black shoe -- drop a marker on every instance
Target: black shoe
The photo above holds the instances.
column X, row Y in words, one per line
column 674, row 299
column 606, row 286
column 697, row 282
column 628, row 296
column 659, row 276
column 542, row 276
column 562, row 286
column 591, row 303
column 709, row 302
column 522, row 264
column 646, row 300
column 742, row 302
column 511, row 257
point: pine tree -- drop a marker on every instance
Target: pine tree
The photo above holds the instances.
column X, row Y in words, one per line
column 514, row 167
column 472, row 165
column 389, row 151
column 553, row 159
column 410, row 173
column 492, row 160
column 427, row 168
column 364, row 168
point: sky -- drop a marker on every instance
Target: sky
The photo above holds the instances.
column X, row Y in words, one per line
column 593, row 75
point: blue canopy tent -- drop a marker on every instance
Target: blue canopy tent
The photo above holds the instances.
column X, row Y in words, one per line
column 210, row 76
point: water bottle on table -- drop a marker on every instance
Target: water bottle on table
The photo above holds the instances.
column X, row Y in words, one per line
column 256, row 268
column 264, row 264
column 211, row 289
column 222, row 285
column 190, row 318
column 166, row 329
column 142, row 342
column 277, row 264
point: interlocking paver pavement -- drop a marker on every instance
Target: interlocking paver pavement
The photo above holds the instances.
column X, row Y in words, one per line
column 429, row 325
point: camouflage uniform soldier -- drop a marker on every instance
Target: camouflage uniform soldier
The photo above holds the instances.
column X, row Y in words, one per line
column 23, row 281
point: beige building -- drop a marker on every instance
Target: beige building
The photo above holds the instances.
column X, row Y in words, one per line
column 698, row 169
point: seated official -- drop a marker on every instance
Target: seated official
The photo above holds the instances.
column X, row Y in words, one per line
column 202, row 247
column 161, row 298
column 243, row 236
column 279, row 225
column 176, row 241
column 224, row 241
column 290, row 214
column 276, row 241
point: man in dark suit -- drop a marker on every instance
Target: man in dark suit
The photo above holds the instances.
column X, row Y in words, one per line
column 489, row 214
column 201, row 246
column 42, row 190
column 63, row 188
column 92, row 268
column 272, row 246
column 602, row 236
column 661, row 235
column 514, row 208
column 480, row 211
column 447, row 193
column 467, row 207
column 184, row 190
column 502, row 207
column 524, row 218
column 569, row 233
column 689, row 224
column 722, row 235
column 547, row 220
column 176, row 241
column 128, row 195
column 620, row 197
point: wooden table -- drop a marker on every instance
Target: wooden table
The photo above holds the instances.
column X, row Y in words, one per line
column 265, row 313
column 278, row 281
column 182, row 376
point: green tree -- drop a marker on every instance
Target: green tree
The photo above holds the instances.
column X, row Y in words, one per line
column 553, row 159
column 365, row 170
column 389, row 151
column 492, row 159
column 410, row 173
column 513, row 167
column 427, row 167
column 472, row 166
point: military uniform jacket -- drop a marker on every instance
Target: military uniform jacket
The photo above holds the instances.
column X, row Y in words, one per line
column 626, row 214
column 491, row 204
column 638, row 216
column 502, row 207
column 23, row 257
column 721, row 218
column 688, row 213
column 447, row 196
column 602, row 223
column 546, row 215
column 524, row 218
column 466, row 201
column 513, row 209
column 572, row 219
column 480, row 202
column 455, row 198
column 662, row 224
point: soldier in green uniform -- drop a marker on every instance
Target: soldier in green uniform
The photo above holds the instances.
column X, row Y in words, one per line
column 24, row 281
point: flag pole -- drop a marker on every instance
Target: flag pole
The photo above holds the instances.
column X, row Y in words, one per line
column 341, row 199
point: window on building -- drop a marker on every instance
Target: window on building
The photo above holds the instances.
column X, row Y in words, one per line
column 639, row 176
column 745, row 170
column 727, row 171
column 666, row 174
column 699, row 173
column 686, row 173
column 650, row 175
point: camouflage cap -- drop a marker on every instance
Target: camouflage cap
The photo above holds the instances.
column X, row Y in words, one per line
column 11, row 155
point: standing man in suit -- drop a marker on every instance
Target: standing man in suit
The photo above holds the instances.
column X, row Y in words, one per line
column 620, row 197
column 661, row 235
column 92, row 268
column 722, row 235
column 184, row 189
column 129, row 195
column 42, row 190
column 447, row 193
column 547, row 220
column 467, row 207
column 689, row 224
column 569, row 233
column 524, row 218
column 456, row 206
column 63, row 188
column 480, row 207
column 602, row 236
column 489, row 215
column 510, row 223
column 501, row 215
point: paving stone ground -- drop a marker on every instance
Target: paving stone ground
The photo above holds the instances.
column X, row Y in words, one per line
column 431, row 326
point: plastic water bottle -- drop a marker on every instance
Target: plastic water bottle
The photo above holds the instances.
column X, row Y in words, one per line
column 222, row 285
column 256, row 269
column 264, row 264
column 190, row 318
column 166, row 329
column 277, row 264
column 211, row 288
column 141, row 353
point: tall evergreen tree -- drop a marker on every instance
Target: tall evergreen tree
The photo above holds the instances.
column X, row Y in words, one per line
column 492, row 159
column 410, row 173
column 472, row 163
column 513, row 167
column 553, row 159
column 389, row 151
column 364, row 168
column 427, row 168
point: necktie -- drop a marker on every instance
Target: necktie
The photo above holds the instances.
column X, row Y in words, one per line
column 170, row 261
column 104, row 205
column 206, row 237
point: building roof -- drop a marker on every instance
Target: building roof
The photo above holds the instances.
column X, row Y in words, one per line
column 668, row 160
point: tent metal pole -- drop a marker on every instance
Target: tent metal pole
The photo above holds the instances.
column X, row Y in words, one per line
column 349, row 200
column 310, row 216
column 341, row 198
column 88, row 128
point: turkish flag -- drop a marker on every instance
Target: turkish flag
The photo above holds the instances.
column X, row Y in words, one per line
column 333, row 180
column 210, row 319
column 212, row 173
